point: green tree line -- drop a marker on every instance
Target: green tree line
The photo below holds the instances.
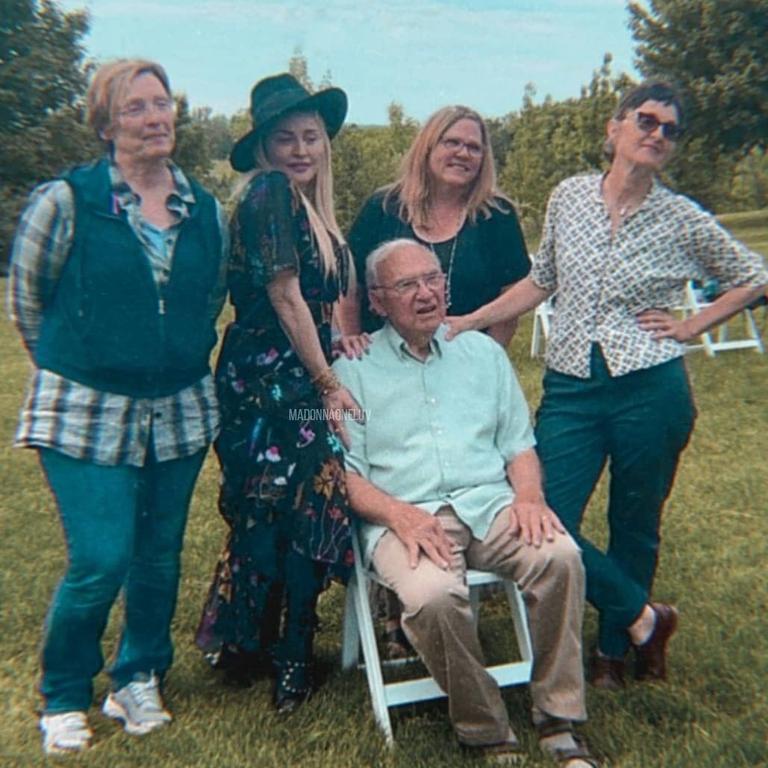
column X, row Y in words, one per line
column 714, row 49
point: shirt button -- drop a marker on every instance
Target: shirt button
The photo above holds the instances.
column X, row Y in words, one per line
column 158, row 415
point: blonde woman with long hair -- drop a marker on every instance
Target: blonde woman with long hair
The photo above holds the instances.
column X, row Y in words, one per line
column 445, row 197
column 282, row 489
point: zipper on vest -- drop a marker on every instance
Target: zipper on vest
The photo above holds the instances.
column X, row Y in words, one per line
column 161, row 286
column 161, row 315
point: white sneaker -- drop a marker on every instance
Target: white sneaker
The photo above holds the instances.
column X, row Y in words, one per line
column 138, row 705
column 65, row 732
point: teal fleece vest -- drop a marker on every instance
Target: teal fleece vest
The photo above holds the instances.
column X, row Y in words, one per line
column 107, row 326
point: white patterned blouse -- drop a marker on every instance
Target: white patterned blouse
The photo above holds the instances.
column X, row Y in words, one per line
column 603, row 280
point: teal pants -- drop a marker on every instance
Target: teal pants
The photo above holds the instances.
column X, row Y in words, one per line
column 124, row 529
column 639, row 424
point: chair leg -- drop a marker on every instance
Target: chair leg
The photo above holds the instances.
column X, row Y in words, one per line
column 753, row 331
column 372, row 662
column 350, row 644
column 536, row 337
column 519, row 617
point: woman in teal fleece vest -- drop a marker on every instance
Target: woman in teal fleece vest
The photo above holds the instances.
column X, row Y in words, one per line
column 117, row 279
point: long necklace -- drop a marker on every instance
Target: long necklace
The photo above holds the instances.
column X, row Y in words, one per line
column 449, row 271
column 451, row 255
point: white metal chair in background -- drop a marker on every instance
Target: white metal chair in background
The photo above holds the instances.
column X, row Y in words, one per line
column 719, row 339
column 542, row 319
column 712, row 342
column 359, row 631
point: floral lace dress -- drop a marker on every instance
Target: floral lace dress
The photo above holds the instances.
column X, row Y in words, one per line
column 282, row 485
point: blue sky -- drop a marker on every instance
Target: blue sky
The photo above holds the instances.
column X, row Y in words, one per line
column 421, row 53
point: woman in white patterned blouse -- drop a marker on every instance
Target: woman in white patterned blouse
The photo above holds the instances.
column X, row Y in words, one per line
column 618, row 248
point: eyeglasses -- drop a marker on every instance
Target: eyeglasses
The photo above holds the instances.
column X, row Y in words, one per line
column 648, row 123
column 140, row 108
column 408, row 287
column 454, row 145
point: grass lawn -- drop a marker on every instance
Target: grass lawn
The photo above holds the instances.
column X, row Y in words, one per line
column 713, row 713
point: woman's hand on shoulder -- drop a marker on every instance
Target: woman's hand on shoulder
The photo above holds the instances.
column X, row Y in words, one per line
column 458, row 324
column 352, row 345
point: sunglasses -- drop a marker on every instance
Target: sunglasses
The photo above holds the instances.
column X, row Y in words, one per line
column 648, row 123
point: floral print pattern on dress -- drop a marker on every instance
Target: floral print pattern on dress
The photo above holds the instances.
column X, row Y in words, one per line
column 279, row 474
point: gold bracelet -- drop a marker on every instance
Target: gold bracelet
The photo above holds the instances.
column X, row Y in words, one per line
column 326, row 382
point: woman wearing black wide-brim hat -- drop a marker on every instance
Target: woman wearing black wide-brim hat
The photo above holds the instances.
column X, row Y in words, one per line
column 282, row 488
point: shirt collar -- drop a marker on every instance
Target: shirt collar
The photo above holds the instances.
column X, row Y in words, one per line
column 657, row 188
column 179, row 201
column 400, row 348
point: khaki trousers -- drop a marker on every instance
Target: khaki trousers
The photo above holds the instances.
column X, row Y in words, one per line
column 437, row 618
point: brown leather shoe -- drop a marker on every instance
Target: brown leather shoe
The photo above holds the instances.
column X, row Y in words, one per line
column 651, row 656
column 606, row 673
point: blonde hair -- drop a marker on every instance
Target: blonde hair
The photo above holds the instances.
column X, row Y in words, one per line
column 414, row 184
column 109, row 86
column 322, row 218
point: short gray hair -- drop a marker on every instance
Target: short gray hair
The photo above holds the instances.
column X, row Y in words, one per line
column 384, row 251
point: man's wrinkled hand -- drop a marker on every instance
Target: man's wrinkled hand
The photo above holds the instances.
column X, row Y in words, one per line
column 534, row 521
column 421, row 532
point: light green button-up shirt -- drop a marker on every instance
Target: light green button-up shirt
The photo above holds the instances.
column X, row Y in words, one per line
column 437, row 432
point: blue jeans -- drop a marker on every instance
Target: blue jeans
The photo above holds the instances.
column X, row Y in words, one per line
column 124, row 529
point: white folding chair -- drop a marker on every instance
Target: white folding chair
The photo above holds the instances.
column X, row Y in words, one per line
column 542, row 319
column 359, row 630
column 719, row 341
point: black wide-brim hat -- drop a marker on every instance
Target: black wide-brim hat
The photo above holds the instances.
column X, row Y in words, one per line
column 276, row 96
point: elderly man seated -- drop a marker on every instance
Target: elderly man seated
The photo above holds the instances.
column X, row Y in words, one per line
column 444, row 475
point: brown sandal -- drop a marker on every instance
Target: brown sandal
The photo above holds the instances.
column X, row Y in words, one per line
column 554, row 726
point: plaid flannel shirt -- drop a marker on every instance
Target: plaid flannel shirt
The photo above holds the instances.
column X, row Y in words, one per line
column 64, row 415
